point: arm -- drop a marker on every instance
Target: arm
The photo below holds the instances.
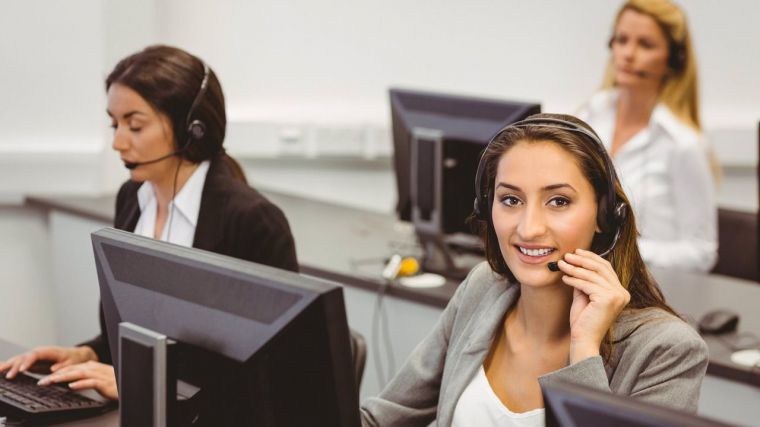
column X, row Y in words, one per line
column 696, row 248
column 666, row 368
column 411, row 397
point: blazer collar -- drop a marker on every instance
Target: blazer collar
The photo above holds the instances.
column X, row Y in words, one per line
column 209, row 230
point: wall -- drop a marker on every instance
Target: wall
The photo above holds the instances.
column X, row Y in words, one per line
column 309, row 79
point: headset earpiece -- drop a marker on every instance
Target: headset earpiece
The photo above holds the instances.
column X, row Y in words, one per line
column 677, row 57
column 196, row 130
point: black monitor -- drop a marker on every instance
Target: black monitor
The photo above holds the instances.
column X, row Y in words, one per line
column 265, row 346
column 571, row 405
column 437, row 142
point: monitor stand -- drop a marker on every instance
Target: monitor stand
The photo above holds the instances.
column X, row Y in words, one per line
column 438, row 258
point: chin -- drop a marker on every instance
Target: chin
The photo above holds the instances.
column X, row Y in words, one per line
column 537, row 275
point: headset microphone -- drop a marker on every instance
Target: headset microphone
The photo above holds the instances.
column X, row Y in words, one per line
column 134, row 165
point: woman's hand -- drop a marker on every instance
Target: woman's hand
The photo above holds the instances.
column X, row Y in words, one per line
column 61, row 356
column 86, row 375
column 598, row 299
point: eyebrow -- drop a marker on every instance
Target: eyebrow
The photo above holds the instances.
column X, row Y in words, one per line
column 127, row 115
column 546, row 188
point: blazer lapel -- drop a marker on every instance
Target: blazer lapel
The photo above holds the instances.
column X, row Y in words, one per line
column 209, row 231
column 480, row 332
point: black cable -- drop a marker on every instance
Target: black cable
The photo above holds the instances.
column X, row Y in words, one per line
column 375, row 334
column 171, row 202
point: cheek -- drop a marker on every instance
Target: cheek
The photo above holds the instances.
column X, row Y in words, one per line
column 575, row 231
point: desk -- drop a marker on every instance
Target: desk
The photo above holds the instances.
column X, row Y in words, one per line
column 349, row 245
column 109, row 419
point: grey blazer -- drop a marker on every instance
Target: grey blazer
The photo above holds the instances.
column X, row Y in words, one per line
column 656, row 358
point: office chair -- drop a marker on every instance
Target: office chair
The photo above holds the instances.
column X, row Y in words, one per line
column 359, row 353
column 738, row 245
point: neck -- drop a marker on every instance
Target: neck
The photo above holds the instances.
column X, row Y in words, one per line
column 637, row 104
column 165, row 187
column 543, row 314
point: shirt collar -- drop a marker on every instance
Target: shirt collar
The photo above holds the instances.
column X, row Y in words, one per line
column 187, row 201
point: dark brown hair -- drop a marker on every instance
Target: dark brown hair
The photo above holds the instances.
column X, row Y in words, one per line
column 625, row 257
column 169, row 79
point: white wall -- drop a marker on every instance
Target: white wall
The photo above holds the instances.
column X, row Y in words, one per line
column 310, row 77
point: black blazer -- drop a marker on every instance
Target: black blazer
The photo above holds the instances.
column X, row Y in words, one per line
column 234, row 220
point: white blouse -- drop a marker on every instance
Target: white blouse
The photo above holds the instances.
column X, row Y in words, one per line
column 479, row 406
column 665, row 173
column 183, row 210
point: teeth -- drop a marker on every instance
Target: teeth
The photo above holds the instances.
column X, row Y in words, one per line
column 535, row 252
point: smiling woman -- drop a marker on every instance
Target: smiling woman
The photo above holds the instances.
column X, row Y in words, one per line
column 547, row 193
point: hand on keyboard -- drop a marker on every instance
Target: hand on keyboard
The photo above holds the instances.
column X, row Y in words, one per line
column 86, row 375
column 60, row 356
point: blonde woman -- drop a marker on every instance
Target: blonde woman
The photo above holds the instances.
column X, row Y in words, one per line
column 647, row 115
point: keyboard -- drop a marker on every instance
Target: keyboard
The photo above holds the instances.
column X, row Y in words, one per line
column 23, row 393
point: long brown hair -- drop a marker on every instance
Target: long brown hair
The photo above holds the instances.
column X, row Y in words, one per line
column 624, row 257
column 169, row 79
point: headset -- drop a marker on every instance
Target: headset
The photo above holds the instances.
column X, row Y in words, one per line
column 194, row 129
column 611, row 213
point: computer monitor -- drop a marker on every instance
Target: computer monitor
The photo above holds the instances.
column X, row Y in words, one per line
column 571, row 405
column 265, row 346
column 437, row 140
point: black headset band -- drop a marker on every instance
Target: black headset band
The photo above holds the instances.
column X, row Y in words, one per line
column 199, row 95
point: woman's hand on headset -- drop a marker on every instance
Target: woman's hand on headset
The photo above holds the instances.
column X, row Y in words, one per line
column 598, row 299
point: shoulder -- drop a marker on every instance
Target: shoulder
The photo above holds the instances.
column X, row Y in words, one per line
column 683, row 136
column 654, row 331
column 601, row 103
column 247, row 206
column 480, row 289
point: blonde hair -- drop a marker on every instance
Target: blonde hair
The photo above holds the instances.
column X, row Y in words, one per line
column 679, row 90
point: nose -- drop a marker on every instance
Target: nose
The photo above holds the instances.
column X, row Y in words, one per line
column 120, row 141
column 532, row 223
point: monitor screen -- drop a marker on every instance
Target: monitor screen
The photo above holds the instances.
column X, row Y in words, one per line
column 265, row 346
column 571, row 405
column 437, row 142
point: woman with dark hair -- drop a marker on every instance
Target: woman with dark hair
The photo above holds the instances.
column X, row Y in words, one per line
column 564, row 295
column 168, row 115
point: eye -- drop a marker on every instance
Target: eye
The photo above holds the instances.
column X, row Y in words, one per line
column 134, row 129
column 620, row 39
column 559, row 202
column 112, row 126
column 510, row 201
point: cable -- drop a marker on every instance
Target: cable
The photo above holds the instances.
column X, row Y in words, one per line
column 171, row 202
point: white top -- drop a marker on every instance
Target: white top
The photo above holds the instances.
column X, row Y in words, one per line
column 479, row 406
column 665, row 172
column 183, row 210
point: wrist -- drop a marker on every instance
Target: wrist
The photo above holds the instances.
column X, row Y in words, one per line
column 582, row 350
column 85, row 353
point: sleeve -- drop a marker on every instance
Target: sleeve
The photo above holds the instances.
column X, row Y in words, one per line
column 674, row 375
column 411, row 397
column 669, row 370
column 697, row 216
column 100, row 343
column 268, row 239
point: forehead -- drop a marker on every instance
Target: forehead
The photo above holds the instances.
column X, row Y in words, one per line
column 632, row 21
column 123, row 99
column 537, row 164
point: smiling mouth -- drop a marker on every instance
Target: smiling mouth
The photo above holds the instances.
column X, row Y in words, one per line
column 535, row 252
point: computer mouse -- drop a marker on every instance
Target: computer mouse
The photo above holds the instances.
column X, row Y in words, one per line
column 718, row 322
